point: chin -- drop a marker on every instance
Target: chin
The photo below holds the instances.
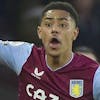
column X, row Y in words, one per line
column 54, row 53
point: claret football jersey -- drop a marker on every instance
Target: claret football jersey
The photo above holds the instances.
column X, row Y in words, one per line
column 79, row 79
column 74, row 81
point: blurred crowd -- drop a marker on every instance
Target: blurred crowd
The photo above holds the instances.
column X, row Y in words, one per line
column 19, row 20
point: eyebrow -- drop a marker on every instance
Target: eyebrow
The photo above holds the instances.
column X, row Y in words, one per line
column 62, row 18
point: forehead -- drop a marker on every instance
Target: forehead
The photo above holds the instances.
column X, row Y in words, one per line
column 57, row 14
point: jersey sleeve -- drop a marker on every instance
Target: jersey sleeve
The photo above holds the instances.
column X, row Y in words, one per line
column 96, row 85
column 14, row 54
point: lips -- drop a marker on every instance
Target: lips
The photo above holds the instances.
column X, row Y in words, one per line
column 55, row 43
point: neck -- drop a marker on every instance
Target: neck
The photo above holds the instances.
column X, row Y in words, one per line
column 55, row 62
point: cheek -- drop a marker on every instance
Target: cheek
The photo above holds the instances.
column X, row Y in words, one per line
column 67, row 39
column 46, row 34
column 69, row 36
column 45, row 38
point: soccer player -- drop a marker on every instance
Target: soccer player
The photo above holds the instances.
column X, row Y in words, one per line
column 53, row 72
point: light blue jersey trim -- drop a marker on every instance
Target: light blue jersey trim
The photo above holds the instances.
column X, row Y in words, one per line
column 14, row 54
column 96, row 85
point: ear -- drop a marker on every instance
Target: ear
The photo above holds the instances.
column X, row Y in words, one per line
column 76, row 32
column 39, row 32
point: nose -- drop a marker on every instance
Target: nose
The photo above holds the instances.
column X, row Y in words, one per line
column 54, row 32
column 55, row 29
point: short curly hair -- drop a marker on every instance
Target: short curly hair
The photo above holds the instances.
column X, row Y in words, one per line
column 62, row 6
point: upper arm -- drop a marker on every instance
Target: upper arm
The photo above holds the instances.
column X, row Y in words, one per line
column 96, row 85
column 14, row 54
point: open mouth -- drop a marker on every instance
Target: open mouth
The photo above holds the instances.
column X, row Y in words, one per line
column 54, row 43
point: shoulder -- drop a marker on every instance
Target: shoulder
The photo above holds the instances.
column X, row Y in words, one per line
column 96, row 85
column 82, row 60
column 39, row 50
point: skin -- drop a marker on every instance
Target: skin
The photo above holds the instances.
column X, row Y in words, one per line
column 60, row 25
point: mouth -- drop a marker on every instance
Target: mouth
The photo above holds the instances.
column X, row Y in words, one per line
column 55, row 43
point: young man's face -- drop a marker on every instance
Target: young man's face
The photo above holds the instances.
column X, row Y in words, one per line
column 57, row 31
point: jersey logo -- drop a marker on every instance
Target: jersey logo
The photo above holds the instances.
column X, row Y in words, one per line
column 37, row 74
column 76, row 88
column 39, row 94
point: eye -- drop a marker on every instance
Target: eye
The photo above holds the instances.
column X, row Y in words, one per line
column 48, row 24
column 63, row 25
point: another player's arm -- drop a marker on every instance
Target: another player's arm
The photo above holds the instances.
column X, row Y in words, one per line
column 14, row 54
column 96, row 85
